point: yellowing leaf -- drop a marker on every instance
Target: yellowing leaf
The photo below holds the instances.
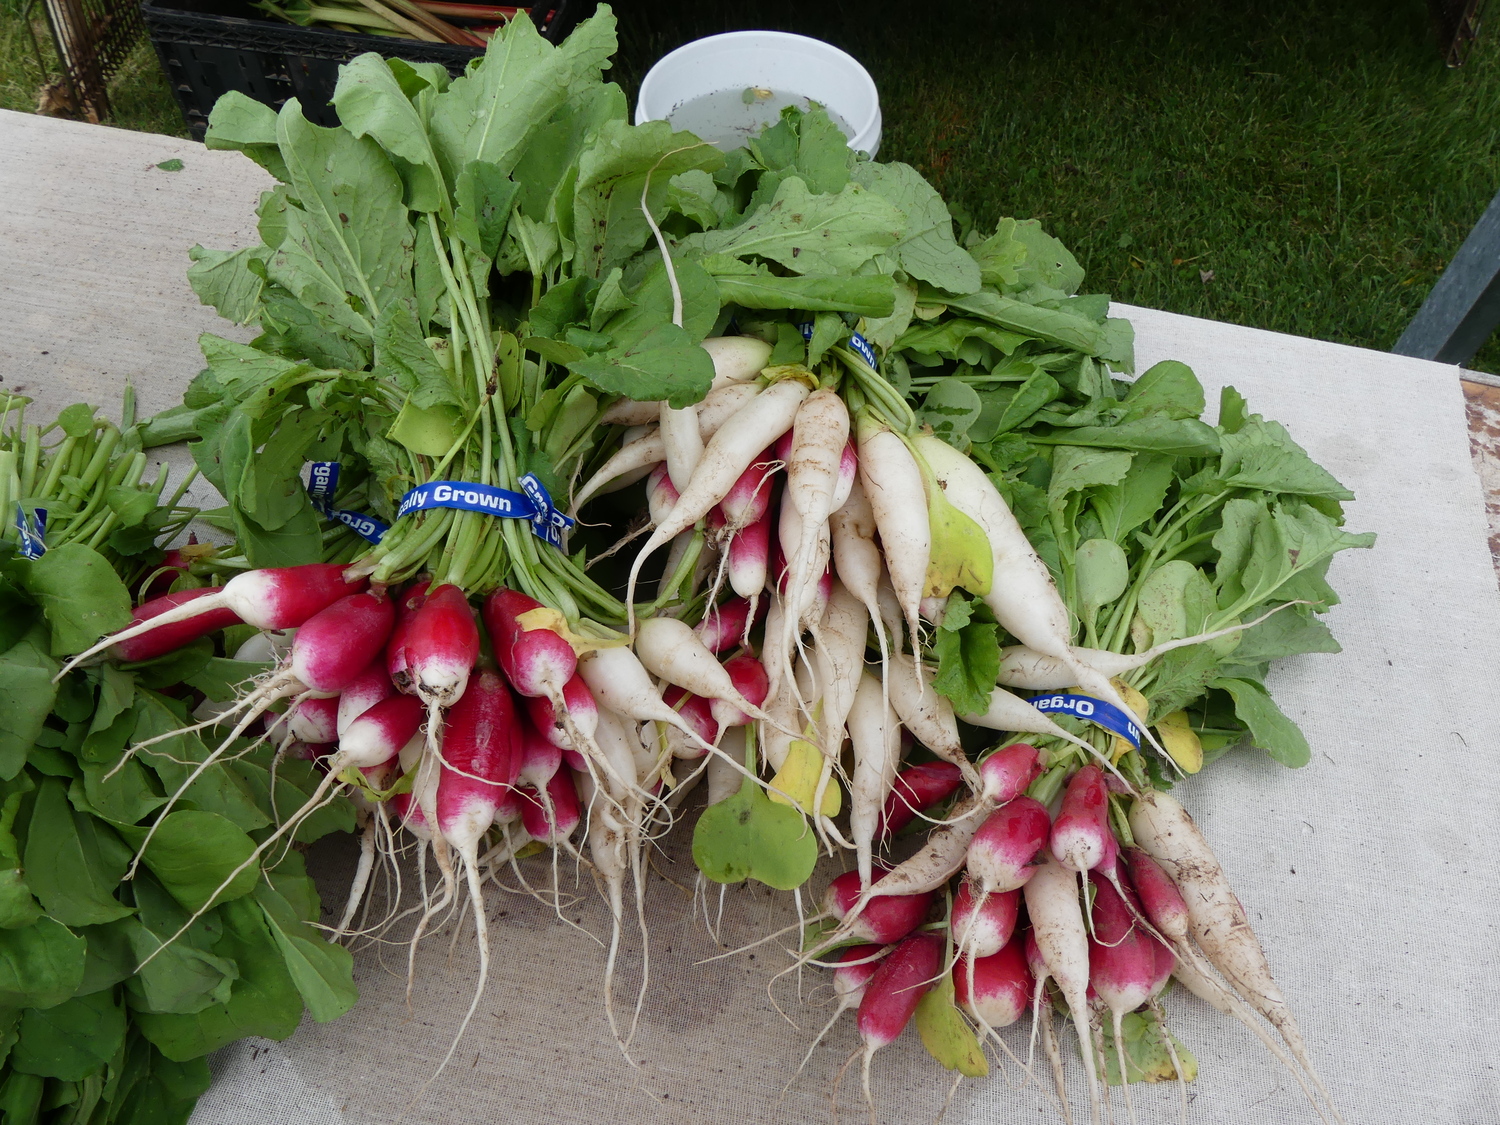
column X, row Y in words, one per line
column 429, row 432
column 961, row 552
column 1146, row 1056
column 798, row 779
column 545, row 617
column 946, row 1035
column 1180, row 740
column 1118, row 746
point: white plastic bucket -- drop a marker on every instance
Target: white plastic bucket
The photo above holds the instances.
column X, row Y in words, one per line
column 777, row 60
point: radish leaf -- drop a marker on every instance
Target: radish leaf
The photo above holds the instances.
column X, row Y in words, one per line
column 73, row 862
column 946, row 1035
column 746, row 836
column 80, row 594
column 193, row 852
column 40, row 965
column 71, row 1040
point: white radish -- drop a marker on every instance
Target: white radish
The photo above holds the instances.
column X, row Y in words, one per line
column 737, row 359
column 741, row 439
column 650, row 448
column 876, row 737
column 819, row 434
column 1062, row 938
column 928, row 715
column 1009, row 712
column 1022, row 594
column 670, row 649
column 1163, row 828
column 893, row 483
column 682, row 441
column 724, row 780
column 839, row 657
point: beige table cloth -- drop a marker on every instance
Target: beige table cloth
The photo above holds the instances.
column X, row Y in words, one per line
column 1367, row 874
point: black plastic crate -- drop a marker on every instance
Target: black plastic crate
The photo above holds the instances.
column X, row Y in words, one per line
column 209, row 47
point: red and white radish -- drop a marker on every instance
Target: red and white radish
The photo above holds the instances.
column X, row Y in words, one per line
column 916, row 789
column 275, row 598
column 1062, row 939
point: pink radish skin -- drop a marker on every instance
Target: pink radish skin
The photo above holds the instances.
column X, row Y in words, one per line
column 916, row 789
column 724, row 626
column 536, row 661
column 1122, row 956
column 540, row 759
column 278, row 598
column 883, row 918
column 982, row 923
column 581, row 708
column 481, row 758
column 995, row 990
column 750, row 496
column 749, row 678
column 1123, row 969
column 1009, row 771
column 407, row 605
column 1161, row 901
column 1081, row 832
column 333, row 646
column 903, row 977
column 749, row 557
column 441, row 646
column 364, row 691
column 1003, row 853
column 670, row 649
column 661, row 494
column 508, row 806
column 857, row 965
column 381, row 732
column 1061, row 936
column 481, row 737
column 565, row 815
column 169, row 638
column 848, row 471
column 314, row 720
column 698, row 713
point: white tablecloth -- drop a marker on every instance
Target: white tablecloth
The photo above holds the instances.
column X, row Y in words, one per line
column 1359, row 871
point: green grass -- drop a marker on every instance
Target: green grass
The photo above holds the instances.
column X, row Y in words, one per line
column 139, row 96
column 1307, row 166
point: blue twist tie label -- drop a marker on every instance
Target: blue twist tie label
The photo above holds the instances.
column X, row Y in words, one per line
column 857, row 342
column 322, row 482
column 33, row 531
column 1096, row 711
column 534, row 504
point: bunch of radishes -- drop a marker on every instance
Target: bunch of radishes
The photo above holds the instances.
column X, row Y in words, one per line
column 808, row 541
column 1052, row 909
